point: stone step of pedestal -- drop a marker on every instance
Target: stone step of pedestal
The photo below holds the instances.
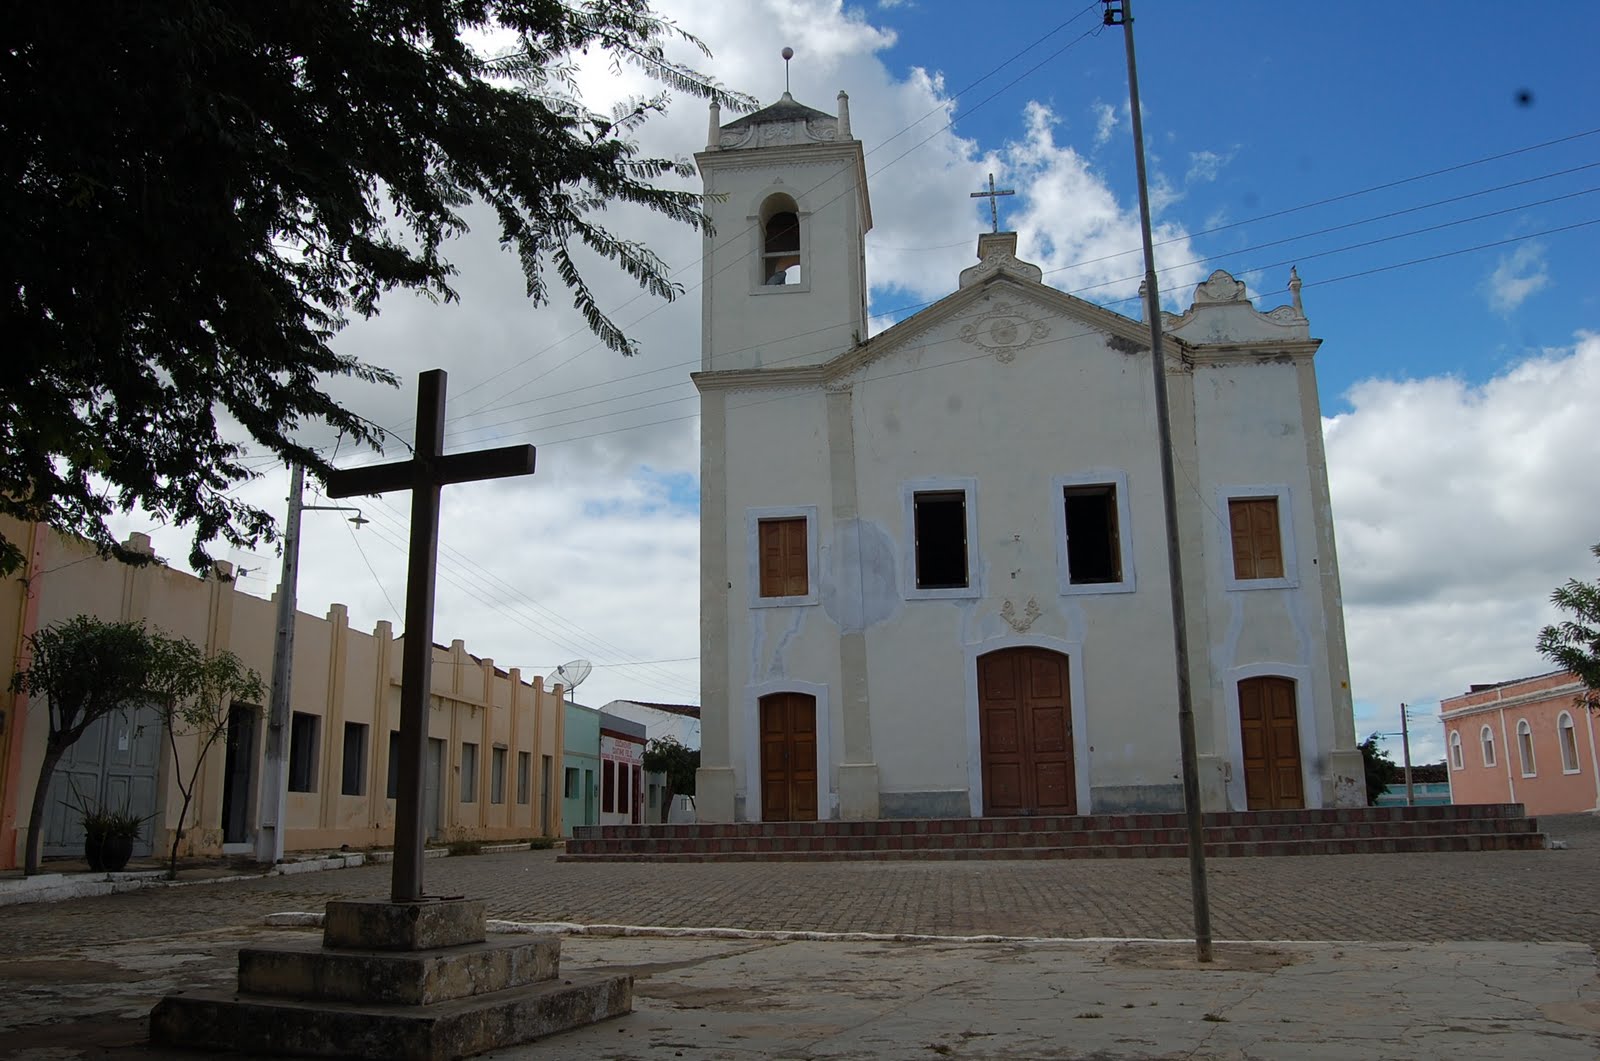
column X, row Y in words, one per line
column 258, row 1024
column 303, row 968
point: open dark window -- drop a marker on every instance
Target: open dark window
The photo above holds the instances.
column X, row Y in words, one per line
column 303, row 751
column 941, row 546
column 1093, row 551
column 353, row 775
column 780, row 246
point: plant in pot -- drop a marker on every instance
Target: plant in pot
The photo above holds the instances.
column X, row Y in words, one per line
column 109, row 836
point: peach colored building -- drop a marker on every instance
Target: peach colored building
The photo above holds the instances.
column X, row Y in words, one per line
column 1522, row 741
column 495, row 741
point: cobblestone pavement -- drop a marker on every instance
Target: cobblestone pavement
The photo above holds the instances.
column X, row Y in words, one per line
column 1518, row 896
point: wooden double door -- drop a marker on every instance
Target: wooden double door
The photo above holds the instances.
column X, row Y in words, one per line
column 1269, row 736
column 1025, row 730
column 788, row 757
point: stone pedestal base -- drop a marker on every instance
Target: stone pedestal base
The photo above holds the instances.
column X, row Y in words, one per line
column 411, row 981
column 714, row 794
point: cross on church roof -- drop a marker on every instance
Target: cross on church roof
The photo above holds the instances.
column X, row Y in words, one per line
column 994, row 201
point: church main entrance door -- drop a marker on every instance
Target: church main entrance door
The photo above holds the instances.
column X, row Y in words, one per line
column 1270, row 737
column 1025, row 728
column 788, row 758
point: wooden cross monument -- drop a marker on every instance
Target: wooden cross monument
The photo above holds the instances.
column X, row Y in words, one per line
column 424, row 474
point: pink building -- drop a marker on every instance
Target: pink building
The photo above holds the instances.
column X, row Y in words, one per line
column 1523, row 741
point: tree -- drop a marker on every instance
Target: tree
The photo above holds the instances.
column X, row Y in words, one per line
column 1575, row 643
column 199, row 703
column 670, row 756
column 198, row 195
column 84, row 669
column 1380, row 769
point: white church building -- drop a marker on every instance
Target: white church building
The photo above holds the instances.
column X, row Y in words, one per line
column 933, row 562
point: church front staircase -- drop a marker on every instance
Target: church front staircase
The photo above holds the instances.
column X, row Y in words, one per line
column 1353, row 830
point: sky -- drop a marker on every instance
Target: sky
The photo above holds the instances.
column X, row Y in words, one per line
column 1432, row 169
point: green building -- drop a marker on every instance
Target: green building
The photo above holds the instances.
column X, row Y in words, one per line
column 580, row 782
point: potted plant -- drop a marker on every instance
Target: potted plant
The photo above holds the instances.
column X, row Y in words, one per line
column 109, row 836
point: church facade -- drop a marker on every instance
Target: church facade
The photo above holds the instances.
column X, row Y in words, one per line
column 933, row 564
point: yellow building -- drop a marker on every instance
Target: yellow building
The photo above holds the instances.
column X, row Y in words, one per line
column 494, row 748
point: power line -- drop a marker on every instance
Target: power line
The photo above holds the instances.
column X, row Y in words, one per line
column 745, row 232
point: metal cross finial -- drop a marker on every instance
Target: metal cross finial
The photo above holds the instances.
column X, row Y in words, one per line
column 994, row 201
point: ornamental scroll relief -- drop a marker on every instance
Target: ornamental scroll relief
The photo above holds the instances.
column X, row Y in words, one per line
column 1003, row 331
column 1020, row 623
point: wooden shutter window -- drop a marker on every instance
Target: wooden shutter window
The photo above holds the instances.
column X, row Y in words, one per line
column 1257, row 546
column 784, row 567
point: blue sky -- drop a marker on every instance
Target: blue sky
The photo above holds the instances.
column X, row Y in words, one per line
column 1458, row 395
column 1253, row 108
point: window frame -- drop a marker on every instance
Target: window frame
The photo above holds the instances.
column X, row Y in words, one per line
column 765, row 211
column 469, row 773
column 1118, row 481
column 570, row 781
column 524, row 778
column 908, row 566
column 1250, row 492
column 1486, row 747
column 1527, row 760
column 497, row 773
column 753, row 519
column 1456, row 760
column 1565, row 727
column 608, row 786
column 306, row 781
column 359, row 745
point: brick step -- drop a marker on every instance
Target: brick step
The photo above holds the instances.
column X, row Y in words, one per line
column 1057, row 823
column 1054, row 838
column 1524, row 841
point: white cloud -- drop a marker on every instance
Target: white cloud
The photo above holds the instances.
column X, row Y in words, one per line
column 1105, row 122
column 1516, row 277
column 1205, row 165
column 1457, row 512
column 1072, row 224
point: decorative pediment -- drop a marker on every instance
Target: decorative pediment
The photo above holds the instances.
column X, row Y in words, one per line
column 997, row 253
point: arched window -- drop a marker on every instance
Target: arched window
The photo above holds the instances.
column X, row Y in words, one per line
column 1569, row 743
column 1455, row 749
column 1487, row 736
column 1525, row 747
column 780, row 242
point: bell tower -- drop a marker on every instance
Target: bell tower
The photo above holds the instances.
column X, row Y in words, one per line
column 784, row 280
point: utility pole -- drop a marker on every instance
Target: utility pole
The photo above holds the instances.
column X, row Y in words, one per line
column 1118, row 13
column 1405, row 744
column 274, row 780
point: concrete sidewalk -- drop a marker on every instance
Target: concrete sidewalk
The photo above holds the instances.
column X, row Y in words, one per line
column 753, row 997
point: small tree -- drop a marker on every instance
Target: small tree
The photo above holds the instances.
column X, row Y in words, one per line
column 85, row 669
column 670, row 756
column 1575, row 643
column 199, row 703
column 1380, row 769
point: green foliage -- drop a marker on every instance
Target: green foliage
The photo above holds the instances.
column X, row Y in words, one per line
column 84, row 669
column 670, row 756
column 201, row 694
column 1574, row 643
column 1381, row 770
column 197, row 196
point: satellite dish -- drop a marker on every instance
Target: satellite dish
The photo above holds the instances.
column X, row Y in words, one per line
column 570, row 674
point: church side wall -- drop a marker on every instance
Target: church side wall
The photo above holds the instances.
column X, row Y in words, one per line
column 1251, row 441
